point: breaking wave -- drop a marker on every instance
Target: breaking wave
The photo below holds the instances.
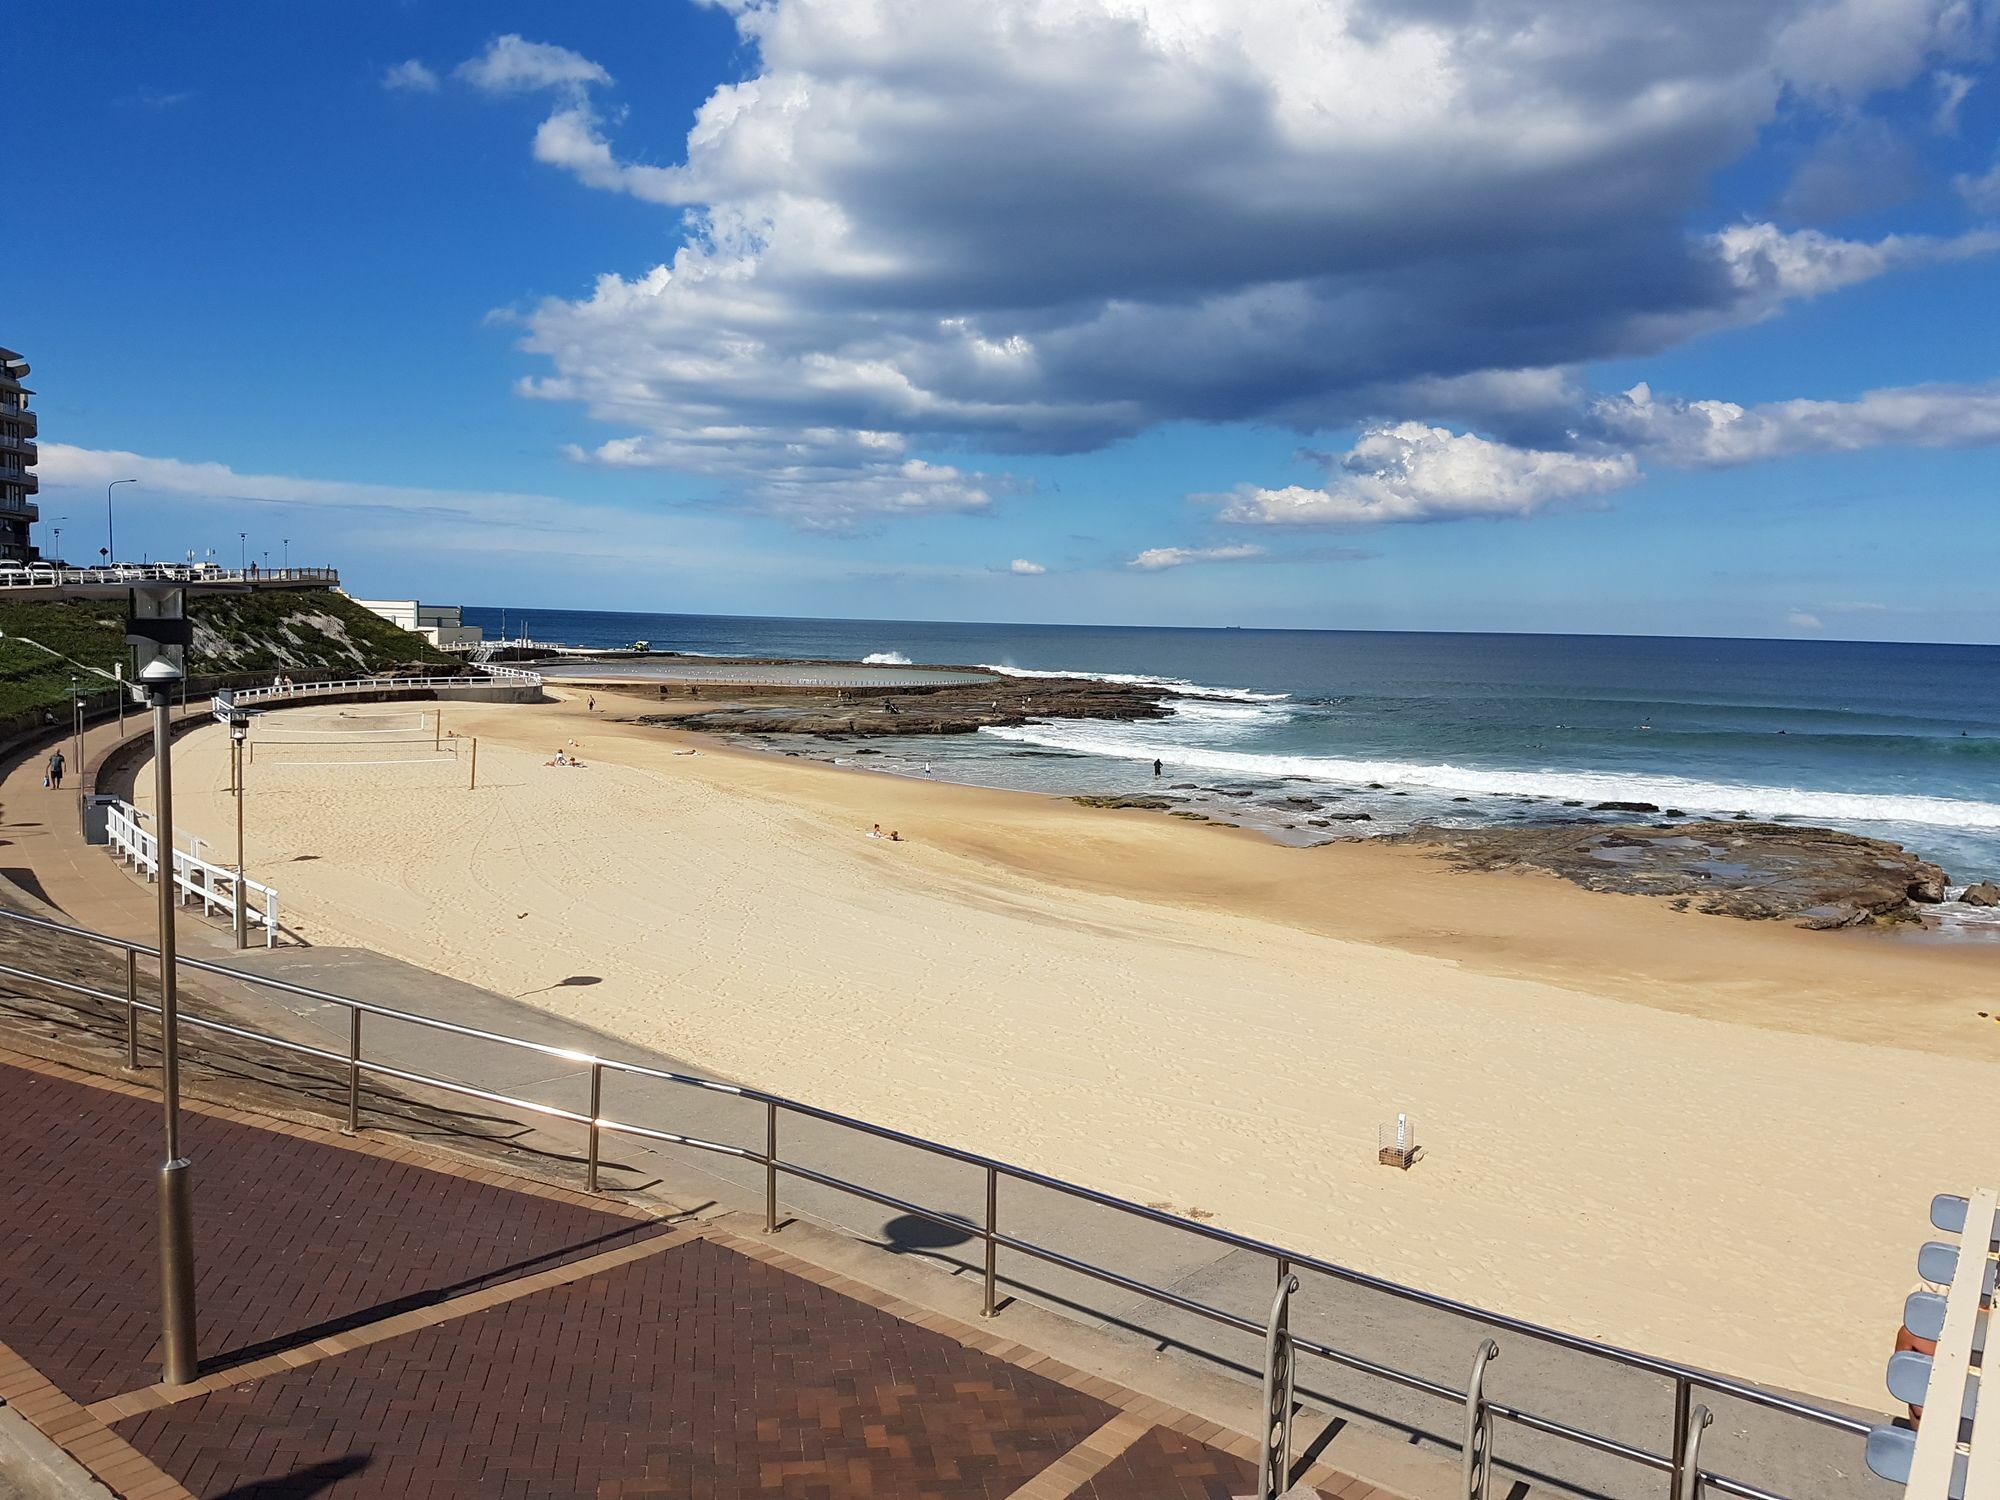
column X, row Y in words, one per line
column 1178, row 685
column 1582, row 786
column 885, row 659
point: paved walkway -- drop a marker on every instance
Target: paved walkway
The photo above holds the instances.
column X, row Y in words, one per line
column 379, row 1324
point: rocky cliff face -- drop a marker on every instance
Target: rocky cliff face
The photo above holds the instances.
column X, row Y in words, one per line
column 1814, row 877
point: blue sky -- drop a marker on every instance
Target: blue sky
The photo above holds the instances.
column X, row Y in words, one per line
column 1138, row 311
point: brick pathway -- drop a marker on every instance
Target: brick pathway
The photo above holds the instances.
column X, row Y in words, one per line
column 291, row 1234
column 696, row 1372
column 401, row 1331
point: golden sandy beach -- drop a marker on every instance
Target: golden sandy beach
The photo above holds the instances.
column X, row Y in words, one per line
column 1634, row 1118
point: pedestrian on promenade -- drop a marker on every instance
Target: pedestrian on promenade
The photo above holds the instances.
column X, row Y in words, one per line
column 54, row 776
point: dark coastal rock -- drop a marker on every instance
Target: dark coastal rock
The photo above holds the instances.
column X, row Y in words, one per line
column 1815, row 877
column 1986, row 893
column 957, row 709
column 1340, row 817
column 1148, row 804
column 1647, row 807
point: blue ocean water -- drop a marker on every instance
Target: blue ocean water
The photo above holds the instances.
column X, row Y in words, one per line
column 1897, row 741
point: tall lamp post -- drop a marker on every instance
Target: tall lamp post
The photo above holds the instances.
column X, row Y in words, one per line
column 110, row 528
column 288, row 552
column 76, row 721
column 239, row 730
column 159, row 632
column 242, row 551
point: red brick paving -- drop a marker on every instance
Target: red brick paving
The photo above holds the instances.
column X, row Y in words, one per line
column 294, row 1237
column 696, row 1372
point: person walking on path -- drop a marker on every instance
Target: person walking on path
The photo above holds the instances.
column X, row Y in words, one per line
column 53, row 777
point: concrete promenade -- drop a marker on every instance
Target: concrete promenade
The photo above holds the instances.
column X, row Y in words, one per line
column 1402, row 1440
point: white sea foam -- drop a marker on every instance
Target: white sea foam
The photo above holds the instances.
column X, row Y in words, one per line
column 1140, row 679
column 1585, row 786
column 885, row 659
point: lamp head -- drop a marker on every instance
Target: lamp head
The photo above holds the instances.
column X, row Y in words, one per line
column 159, row 633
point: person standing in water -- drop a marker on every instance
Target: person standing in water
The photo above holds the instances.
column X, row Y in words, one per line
column 1157, row 768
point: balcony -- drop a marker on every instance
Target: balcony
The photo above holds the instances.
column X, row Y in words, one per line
column 18, row 451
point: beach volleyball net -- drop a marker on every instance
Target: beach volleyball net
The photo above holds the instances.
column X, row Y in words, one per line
column 352, row 738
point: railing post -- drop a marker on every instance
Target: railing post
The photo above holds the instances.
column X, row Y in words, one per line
column 1683, row 1406
column 132, row 1010
column 1687, row 1458
column 771, row 1167
column 1477, row 1467
column 596, row 1109
column 987, row 1308
column 1274, row 1460
column 353, row 1072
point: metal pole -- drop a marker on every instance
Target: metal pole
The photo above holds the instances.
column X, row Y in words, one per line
column 1274, row 1460
column 110, row 532
column 353, row 1073
column 131, row 1010
column 119, row 667
column 596, row 1109
column 770, row 1168
column 236, row 770
column 176, row 1190
column 988, row 1309
column 1683, row 1403
column 1476, row 1459
column 473, row 785
column 1687, row 1458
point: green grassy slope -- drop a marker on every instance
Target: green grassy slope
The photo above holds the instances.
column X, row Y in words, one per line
column 278, row 630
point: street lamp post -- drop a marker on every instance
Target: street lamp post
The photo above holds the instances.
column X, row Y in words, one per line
column 288, row 552
column 242, row 551
column 76, row 721
column 159, row 632
column 239, row 729
column 110, row 529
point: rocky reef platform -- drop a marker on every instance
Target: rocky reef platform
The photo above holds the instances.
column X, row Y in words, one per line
column 1813, row 877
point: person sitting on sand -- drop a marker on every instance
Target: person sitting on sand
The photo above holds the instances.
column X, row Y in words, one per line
column 895, row 837
column 875, row 832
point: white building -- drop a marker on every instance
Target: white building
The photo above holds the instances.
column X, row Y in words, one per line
column 440, row 624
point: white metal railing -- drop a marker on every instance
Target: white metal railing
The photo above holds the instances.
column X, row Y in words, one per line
column 195, row 879
column 284, row 692
column 43, row 575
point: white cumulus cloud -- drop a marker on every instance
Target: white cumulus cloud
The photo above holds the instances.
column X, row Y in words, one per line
column 410, row 77
column 1045, row 225
column 513, row 65
column 1411, row 472
column 1025, row 568
column 1717, row 434
column 1153, row 559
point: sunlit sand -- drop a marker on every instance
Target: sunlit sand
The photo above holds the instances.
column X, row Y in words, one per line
column 1707, row 1139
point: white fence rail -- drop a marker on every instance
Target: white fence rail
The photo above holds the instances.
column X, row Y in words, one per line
column 294, row 692
column 43, row 575
column 195, row 879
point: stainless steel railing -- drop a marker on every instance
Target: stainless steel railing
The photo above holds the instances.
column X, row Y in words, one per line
column 1687, row 1477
